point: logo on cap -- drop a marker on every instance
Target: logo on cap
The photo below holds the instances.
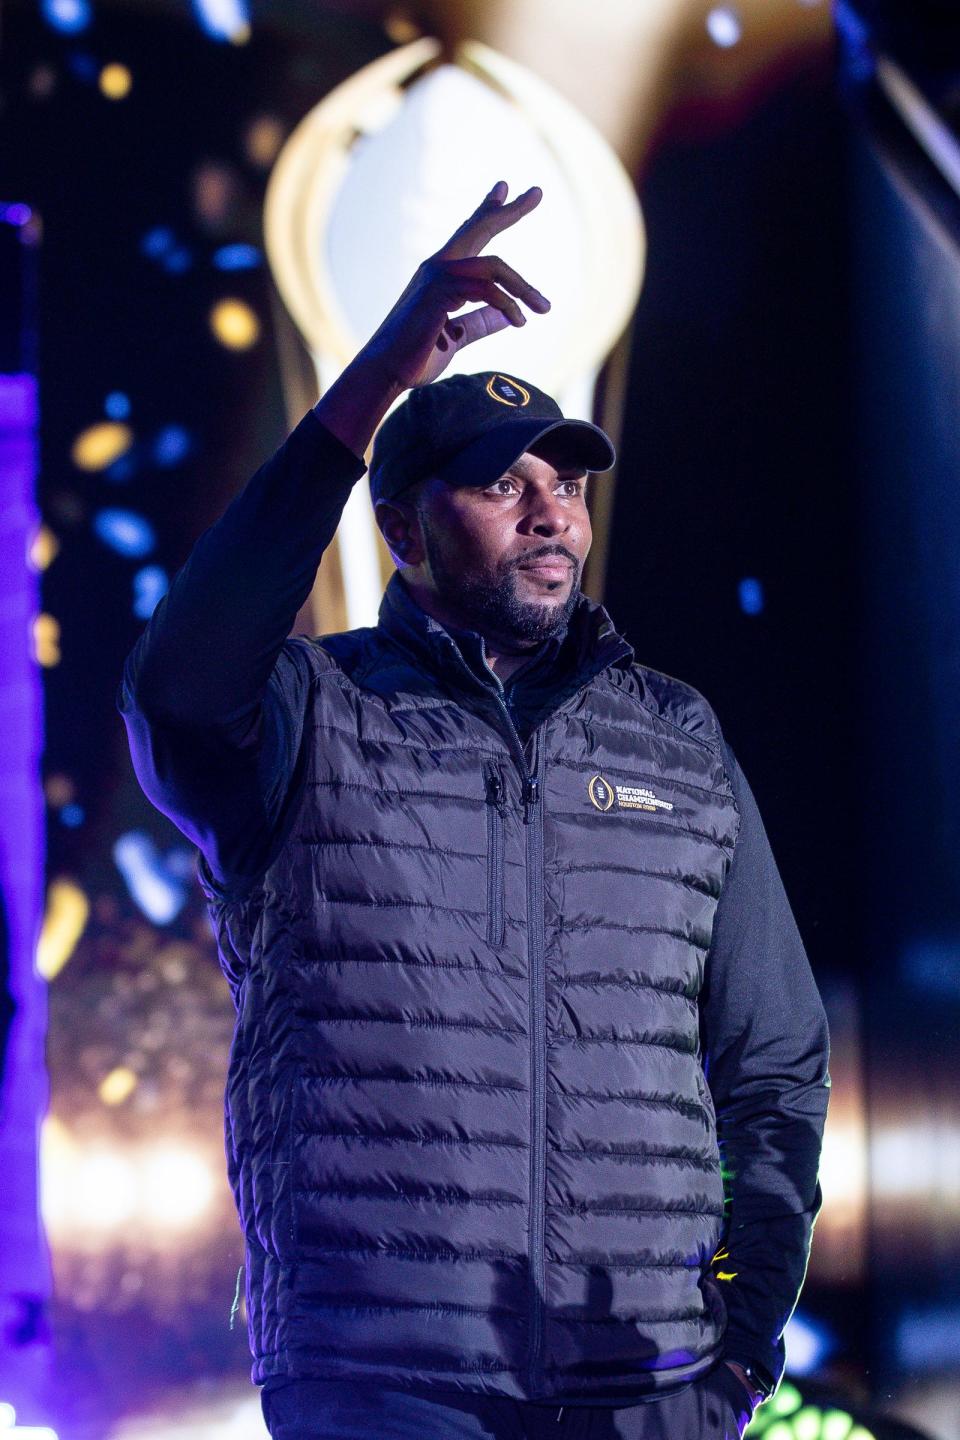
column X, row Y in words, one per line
column 508, row 392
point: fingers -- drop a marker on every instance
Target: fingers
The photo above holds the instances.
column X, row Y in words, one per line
column 486, row 278
column 491, row 267
column 489, row 219
column 478, row 288
column 494, row 215
column 451, row 336
column 477, row 324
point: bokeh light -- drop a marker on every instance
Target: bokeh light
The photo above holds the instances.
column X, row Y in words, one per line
column 92, row 1188
column 750, row 592
column 58, row 789
column 401, row 27
column 44, row 548
column 160, row 894
column 58, row 1156
column 224, row 19
column 103, row 1190
column 117, row 1086
column 125, row 532
column 216, row 189
column 178, row 1187
column 262, row 140
column 46, row 640
column 149, row 587
column 115, row 81
column 117, row 405
column 157, row 242
column 68, row 16
column 162, row 245
column 64, row 921
column 724, row 26
column 808, row 1344
column 16, row 214
column 234, row 324
column 171, row 445
column 238, row 257
column 99, row 445
column 41, row 82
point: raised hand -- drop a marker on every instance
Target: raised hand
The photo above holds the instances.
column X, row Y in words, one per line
column 418, row 338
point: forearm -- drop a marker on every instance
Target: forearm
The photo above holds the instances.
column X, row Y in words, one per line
column 771, row 1160
column 205, row 657
column 766, row 1047
column 353, row 406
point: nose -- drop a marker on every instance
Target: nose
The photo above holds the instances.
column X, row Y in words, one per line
column 546, row 515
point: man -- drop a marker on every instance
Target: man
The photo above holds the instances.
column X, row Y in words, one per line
column 512, row 961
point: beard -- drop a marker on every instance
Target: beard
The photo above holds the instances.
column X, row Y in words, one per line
column 491, row 601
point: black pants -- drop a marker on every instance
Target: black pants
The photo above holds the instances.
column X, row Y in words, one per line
column 715, row 1407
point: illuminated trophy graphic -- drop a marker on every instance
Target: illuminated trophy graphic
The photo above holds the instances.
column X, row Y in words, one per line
column 377, row 177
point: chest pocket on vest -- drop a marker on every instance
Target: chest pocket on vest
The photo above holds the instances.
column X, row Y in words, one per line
column 496, row 797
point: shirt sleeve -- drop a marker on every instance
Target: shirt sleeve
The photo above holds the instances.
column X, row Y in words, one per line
column 766, row 1055
column 213, row 692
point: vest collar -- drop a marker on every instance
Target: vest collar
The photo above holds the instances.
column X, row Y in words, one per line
column 590, row 644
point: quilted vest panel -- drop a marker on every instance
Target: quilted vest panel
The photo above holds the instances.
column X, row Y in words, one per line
column 467, row 1125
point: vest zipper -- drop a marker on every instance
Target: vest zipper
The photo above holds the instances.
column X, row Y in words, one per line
column 533, row 818
column 496, row 797
column 536, row 944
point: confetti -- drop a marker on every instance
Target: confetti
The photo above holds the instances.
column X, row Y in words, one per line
column 234, row 324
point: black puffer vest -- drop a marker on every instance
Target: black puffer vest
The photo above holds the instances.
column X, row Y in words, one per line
column 468, row 1130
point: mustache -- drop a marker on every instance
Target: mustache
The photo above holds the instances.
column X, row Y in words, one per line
column 556, row 553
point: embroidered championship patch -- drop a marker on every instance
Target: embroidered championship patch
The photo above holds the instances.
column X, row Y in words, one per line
column 507, row 391
column 628, row 797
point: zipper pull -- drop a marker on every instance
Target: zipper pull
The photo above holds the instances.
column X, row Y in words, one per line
column 531, row 794
column 495, row 795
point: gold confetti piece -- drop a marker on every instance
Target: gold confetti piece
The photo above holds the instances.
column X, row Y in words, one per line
column 115, row 1087
column 234, row 324
column 115, row 81
column 46, row 640
column 99, row 445
column 64, row 922
column 44, row 548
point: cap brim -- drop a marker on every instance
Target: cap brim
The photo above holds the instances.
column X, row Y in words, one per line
column 487, row 457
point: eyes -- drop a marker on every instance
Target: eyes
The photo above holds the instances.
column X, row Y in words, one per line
column 570, row 489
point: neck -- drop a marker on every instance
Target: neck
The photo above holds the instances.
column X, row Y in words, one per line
column 502, row 655
column 503, row 664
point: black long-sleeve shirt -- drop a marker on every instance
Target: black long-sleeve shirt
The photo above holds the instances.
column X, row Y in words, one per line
column 214, row 701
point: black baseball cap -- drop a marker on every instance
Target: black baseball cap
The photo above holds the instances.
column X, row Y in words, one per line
column 469, row 429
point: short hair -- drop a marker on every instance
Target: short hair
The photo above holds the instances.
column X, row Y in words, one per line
column 413, row 494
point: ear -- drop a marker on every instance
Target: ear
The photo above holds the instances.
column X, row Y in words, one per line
column 400, row 529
